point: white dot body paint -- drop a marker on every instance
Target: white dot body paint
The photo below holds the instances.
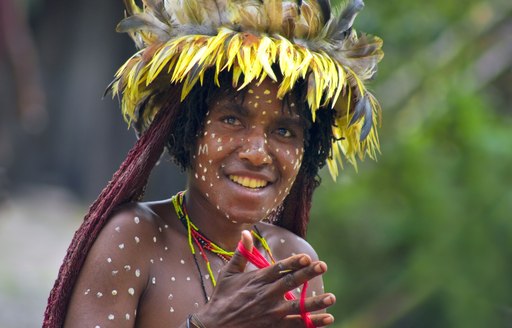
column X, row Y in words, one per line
column 137, row 273
column 127, row 267
column 171, row 309
column 136, row 220
column 203, row 149
column 137, row 239
column 121, row 246
column 87, row 291
column 282, row 241
column 111, row 317
column 154, row 239
column 114, row 292
column 182, row 261
column 131, row 291
column 153, row 280
column 99, row 294
column 173, row 279
column 117, row 229
column 170, row 297
column 188, row 278
column 109, row 260
column 127, row 316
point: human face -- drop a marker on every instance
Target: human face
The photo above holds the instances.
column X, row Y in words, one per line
column 249, row 153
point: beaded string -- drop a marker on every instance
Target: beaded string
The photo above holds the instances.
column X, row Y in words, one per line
column 194, row 236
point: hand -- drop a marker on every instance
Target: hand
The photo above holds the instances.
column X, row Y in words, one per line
column 255, row 298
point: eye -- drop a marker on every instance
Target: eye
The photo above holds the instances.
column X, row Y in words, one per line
column 231, row 120
column 283, row 132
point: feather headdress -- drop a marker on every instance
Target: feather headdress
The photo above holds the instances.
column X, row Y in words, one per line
column 179, row 40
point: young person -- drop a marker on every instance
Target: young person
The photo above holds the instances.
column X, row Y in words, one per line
column 251, row 99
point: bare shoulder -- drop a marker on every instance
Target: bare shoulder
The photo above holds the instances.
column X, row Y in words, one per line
column 116, row 270
column 284, row 243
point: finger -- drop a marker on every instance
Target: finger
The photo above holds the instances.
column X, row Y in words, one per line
column 284, row 267
column 238, row 262
column 318, row 319
column 294, row 279
column 247, row 240
column 311, row 304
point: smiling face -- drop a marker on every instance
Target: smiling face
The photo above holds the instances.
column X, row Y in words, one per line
column 249, row 153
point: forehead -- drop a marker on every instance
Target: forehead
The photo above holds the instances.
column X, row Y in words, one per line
column 257, row 97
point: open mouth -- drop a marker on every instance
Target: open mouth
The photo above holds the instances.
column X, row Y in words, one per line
column 248, row 182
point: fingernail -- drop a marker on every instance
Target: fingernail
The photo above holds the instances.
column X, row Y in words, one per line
column 329, row 300
column 328, row 320
column 304, row 260
column 319, row 268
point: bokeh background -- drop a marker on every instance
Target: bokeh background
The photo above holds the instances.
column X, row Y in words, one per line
column 420, row 238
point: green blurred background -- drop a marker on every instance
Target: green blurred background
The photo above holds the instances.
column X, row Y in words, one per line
column 420, row 238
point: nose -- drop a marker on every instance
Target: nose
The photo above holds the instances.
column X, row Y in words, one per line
column 255, row 150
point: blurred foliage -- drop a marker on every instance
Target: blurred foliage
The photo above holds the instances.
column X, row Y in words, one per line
column 423, row 237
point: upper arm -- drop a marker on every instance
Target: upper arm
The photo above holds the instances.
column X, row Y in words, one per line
column 113, row 277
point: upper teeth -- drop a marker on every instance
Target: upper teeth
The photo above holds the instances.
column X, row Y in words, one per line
column 248, row 182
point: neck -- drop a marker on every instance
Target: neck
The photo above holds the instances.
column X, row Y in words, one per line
column 212, row 222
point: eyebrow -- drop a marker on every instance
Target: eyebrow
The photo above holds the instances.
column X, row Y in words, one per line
column 289, row 116
column 231, row 104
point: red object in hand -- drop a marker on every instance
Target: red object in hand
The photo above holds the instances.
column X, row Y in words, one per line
column 260, row 262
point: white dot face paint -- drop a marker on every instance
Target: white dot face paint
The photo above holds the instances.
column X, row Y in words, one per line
column 136, row 220
column 263, row 134
column 131, row 291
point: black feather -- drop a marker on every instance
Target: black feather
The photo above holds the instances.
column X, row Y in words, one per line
column 325, row 7
column 358, row 111
column 346, row 19
column 363, row 109
column 368, row 120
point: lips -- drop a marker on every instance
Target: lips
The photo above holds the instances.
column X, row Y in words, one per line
column 248, row 182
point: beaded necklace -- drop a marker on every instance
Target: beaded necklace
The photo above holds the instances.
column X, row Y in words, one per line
column 203, row 243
